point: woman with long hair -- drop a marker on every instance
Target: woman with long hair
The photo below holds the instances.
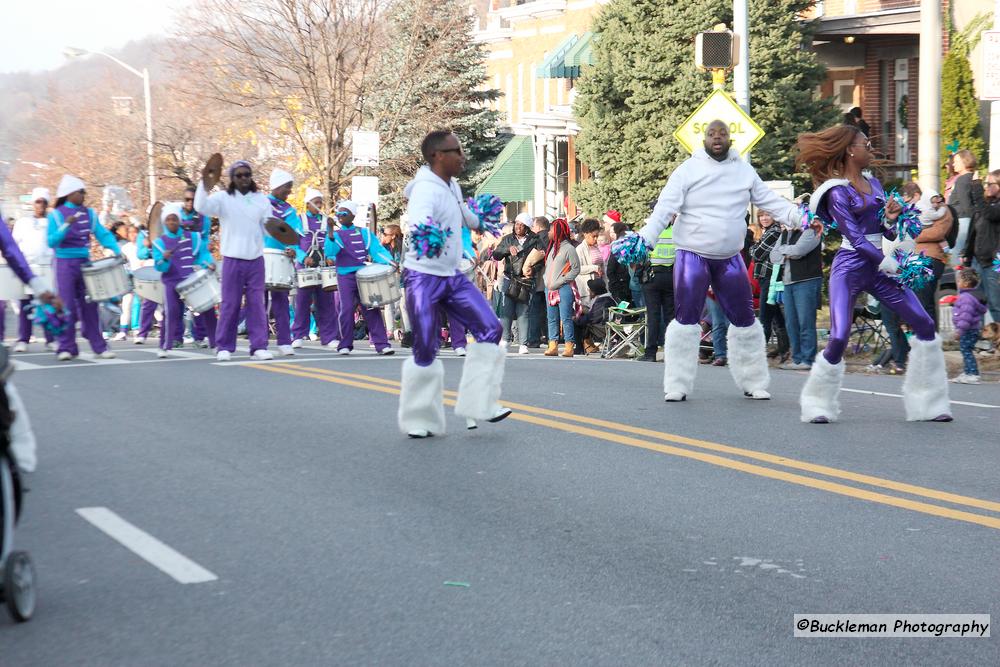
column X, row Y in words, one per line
column 562, row 266
column 836, row 158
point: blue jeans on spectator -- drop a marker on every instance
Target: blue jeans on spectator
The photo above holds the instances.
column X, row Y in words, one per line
column 990, row 284
column 514, row 310
column 563, row 311
column 899, row 346
column 801, row 303
column 720, row 327
column 967, row 344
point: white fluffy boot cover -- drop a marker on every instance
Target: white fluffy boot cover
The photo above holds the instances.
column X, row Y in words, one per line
column 820, row 395
column 482, row 374
column 421, row 398
column 680, row 357
column 747, row 357
column 925, row 386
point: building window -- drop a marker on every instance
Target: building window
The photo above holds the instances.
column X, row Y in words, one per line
column 843, row 91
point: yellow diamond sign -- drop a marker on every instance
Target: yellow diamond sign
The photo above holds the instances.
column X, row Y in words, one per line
column 742, row 130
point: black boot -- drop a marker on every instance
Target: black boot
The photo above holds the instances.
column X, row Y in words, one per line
column 648, row 355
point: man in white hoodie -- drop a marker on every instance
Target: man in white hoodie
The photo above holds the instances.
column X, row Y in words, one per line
column 706, row 200
column 432, row 280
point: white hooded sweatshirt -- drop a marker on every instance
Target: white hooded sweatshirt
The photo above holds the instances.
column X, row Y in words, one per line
column 710, row 199
column 430, row 197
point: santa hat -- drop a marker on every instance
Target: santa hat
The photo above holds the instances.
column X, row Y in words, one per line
column 612, row 216
column 40, row 193
column 68, row 185
column 313, row 193
column 280, row 177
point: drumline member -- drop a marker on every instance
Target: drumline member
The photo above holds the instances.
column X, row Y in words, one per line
column 31, row 235
column 706, row 199
column 435, row 198
column 349, row 247
column 147, row 309
column 70, row 227
column 192, row 221
column 242, row 211
column 176, row 253
column 281, row 186
column 311, row 244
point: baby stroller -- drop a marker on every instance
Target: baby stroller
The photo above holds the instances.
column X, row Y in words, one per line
column 17, row 574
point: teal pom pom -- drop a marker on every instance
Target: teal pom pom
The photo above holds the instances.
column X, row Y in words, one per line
column 489, row 209
column 630, row 249
column 427, row 239
column 915, row 269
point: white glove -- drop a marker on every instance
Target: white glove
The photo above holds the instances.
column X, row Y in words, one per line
column 889, row 266
column 907, row 245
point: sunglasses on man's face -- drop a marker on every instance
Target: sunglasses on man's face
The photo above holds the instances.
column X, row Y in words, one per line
column 451, row 150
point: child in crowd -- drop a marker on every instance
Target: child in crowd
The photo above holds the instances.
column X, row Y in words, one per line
column 967, row 316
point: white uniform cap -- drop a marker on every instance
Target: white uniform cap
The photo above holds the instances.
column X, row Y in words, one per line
column 171, row 208
column 349, row 205
column 313, row 193
column 68, row 185
column 280, row 177
column 40, row 193
column 524, row 218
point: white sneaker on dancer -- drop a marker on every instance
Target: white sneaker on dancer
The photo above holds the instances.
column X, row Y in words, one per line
column 21, row 346
column 107, row 354
column 139, row 340
column 346, row 351
column 65, row 356
column 52, row 347
column 287, row 350
column 223, row 355
column 161, row 353
column 262, row 355
column 523, row 350
column 297, row 343
column 459, row 351
column 121, row 335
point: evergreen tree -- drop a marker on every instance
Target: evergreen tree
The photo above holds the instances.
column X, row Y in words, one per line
column 644, row 84
column 432, row 76
column 959, row 103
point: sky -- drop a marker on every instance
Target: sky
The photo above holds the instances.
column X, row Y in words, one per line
column 35, row 32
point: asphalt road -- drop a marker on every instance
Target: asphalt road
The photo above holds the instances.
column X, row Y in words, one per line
column 597, row 525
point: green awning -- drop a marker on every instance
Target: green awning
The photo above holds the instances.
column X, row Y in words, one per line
column 554, row 66
column 512, row 177
column 580, row 53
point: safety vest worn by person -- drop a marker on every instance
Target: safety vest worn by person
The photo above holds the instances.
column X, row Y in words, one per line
column 665, row 250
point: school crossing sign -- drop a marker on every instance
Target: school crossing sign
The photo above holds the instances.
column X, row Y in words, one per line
column 718, row 106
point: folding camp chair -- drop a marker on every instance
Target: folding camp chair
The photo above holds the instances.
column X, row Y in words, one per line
column 867, row 331
column 625, row 333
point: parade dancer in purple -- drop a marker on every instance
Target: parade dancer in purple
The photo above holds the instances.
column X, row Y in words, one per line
column 706, row 200
column 192, row 221
column 311, row 246
column 349, row 247
column 12, row 254
column 242, row 211
column 281, row 187
column 31, row 235
column 856, row 203
column 70, row 226
column 177, row 254
column 433, row 281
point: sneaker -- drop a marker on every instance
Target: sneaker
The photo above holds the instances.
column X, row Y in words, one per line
column 223, row 355
column 262, row 355
column 871, row 368
column 297, row 343
column 121, row 335
column 720, row 361
column 313, row 336
column 459, row 351
column 388, row 352
column 20, row 346
column 139, row 340
column 793, row 366
column 967, row 379
column 201, row 344
column 523, row 350
column 161, row 353
column 286, row 350
column 52, row 347
column 107, row 354
column 188, row 340
column 333, row 344
column 64, row 356
column 344, row 352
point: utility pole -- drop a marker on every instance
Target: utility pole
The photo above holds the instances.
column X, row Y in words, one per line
column 929, row 102
column 995, row 108
column 741, row 74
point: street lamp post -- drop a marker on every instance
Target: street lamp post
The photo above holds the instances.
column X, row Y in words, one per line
column 73, row 52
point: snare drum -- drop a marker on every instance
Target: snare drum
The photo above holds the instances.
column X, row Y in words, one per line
column 106, row 279
column 308, row 278
column 468, row 268
column 378, row 285
column 148, row 285
column 328, row 274
column 201, row 291
column 279, row 271
column 11, row 287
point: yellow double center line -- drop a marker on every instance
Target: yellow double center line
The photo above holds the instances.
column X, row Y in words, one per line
column 699, row 450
